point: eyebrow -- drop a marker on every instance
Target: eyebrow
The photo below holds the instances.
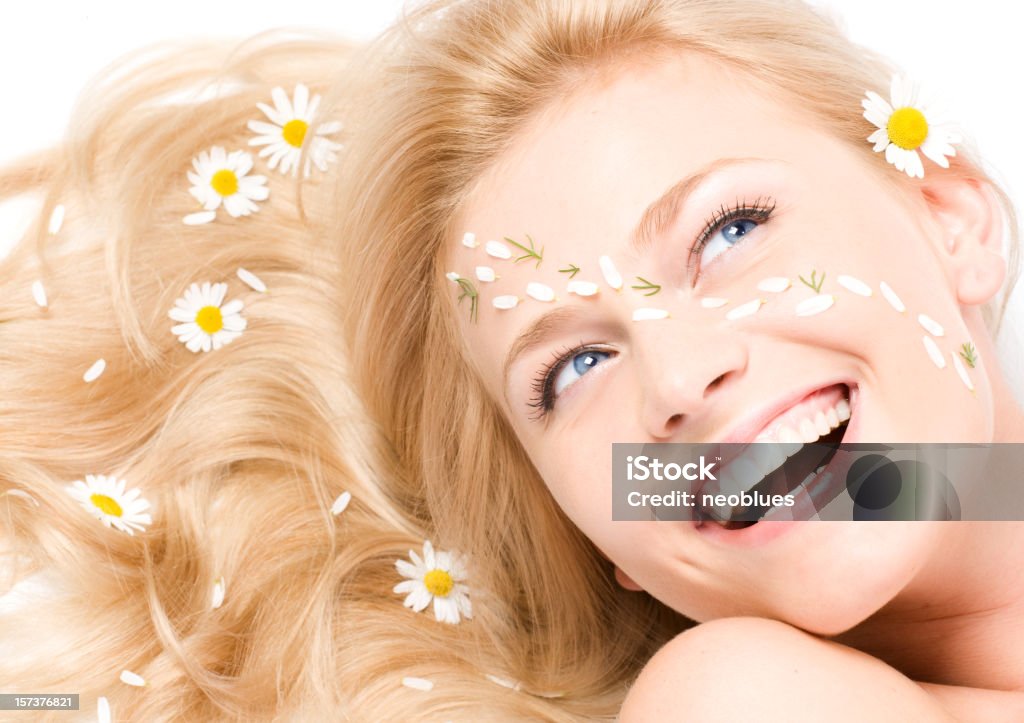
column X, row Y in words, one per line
column 663, row 212
column 537, row 333
column 653, row 222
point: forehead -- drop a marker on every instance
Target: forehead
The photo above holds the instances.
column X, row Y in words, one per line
column 588, row 165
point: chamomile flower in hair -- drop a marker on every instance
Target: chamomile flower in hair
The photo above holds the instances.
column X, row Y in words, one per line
column 290, row 127
column 220, row 179
column 206, row 322
column 109, row 500
column 906, row 126
column 438, row 577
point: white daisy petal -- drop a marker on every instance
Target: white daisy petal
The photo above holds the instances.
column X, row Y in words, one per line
column 301, row 101
column 880, row 138
column 933, row 352
column 711, row 302
column 56, row 219
column 417, row 683
column 775, row 284
column 582, row 288
column 540, row 292
column 504, row 682
column 610, row 272
column 93, row 372
column 39, row 294
column 102, row 710
column 217, row 595
column 130, row 678
column 891, row 297
column 485, row 273
column 498, row 250
column 199, row 218
column 505, row 302
column 751, row 307
column 961, row 371
column 815, row 305
column 930, row 325
column 469, row 240
column 341, row 503
column 855, row 285
column 251, row 280
column 649, row 314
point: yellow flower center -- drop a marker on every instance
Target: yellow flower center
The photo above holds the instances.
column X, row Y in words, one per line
column 438, row 582
column 907, row 128
column 107, row 504
column 225, row 182
column 294, row 132
column 209, row 319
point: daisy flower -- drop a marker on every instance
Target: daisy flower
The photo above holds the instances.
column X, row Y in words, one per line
column 219, row 178
column 106, row 498
column 283, row 137
column 205, row 324
column 438, row 577
column 904, row 128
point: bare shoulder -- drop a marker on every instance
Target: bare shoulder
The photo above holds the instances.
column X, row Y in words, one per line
column 758, row 669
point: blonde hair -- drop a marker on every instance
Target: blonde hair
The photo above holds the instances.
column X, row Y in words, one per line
column 242, row 450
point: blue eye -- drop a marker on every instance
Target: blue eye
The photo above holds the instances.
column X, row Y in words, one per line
column 576, row 367
column 726, row 237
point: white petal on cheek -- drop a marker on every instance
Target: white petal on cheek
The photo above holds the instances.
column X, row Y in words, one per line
column 958, row 365
column 649, row 314
column 582, row 288
column 540, row 292
column 891, row 297
column 610, row 273
column 498, row 250
column 469, row 240
column 855, row 285
column 746, row 309
column 933, row 352
column 711, row 302
column 930, row 325
column 505, row 302
column 775, row 284
column 815, row 305
column 485, row 273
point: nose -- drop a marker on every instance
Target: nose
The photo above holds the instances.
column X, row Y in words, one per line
column 683, row 373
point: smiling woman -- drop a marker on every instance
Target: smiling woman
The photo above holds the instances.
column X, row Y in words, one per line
column 551, row 226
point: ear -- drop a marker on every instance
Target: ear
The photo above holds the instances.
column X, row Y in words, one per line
column 626, row 581
column 969, row 221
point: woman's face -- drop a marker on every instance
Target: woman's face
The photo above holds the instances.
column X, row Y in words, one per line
column 688, row 176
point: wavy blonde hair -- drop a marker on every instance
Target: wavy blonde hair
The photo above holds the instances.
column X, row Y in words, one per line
column 348, row 377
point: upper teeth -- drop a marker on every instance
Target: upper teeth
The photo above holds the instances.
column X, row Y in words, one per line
column 760, row 460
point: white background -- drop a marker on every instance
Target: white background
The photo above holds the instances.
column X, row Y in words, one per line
column 967, row 54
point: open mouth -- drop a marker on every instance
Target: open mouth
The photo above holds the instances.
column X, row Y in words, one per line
column 790, row 456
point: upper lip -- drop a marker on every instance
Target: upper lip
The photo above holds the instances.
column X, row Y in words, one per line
column 747, row 429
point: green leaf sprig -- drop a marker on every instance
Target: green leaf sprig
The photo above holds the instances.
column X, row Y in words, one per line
column 969, row 354
column 571, row 269
column 528, row 253
column 470, row 292
column 647, row 286
column 813, row 283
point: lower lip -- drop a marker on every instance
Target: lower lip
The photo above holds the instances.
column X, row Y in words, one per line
column 767, row 530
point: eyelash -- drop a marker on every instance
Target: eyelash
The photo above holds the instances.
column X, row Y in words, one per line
column 543, row 398
column 760, row 210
